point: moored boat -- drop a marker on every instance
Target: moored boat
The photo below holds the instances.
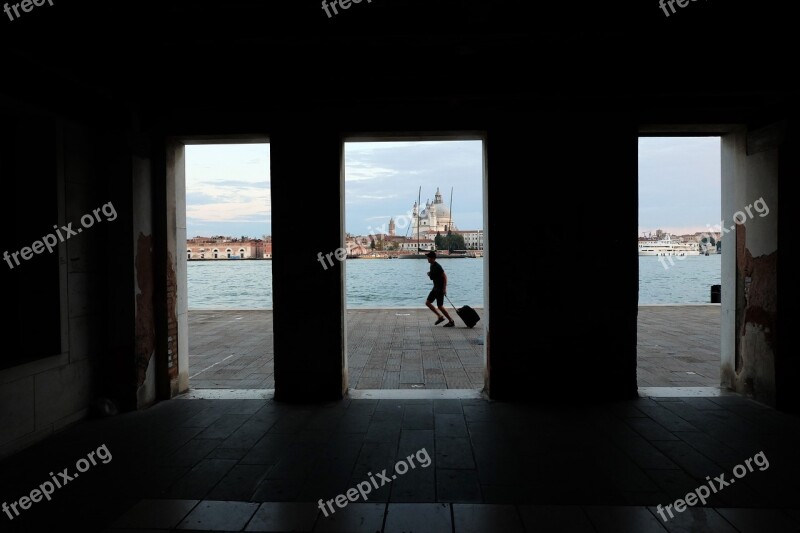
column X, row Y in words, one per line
column 667, row 246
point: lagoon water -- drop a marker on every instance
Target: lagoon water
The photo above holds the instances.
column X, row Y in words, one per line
column 687, row 281
column 404, row 283
column 370, row 283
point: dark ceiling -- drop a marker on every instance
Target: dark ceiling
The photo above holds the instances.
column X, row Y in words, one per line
column 238, row 55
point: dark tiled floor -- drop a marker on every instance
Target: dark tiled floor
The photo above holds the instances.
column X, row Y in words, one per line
column 257, row 465
column 678, row 346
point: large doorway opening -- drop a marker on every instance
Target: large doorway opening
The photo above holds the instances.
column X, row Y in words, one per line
column 228, row 252
column 680, row 243
column 405, row 198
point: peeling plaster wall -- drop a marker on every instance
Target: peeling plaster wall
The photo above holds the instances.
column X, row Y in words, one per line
column 145, row 319
column 750, row 255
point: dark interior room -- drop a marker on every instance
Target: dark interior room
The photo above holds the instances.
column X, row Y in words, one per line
column 100, row 426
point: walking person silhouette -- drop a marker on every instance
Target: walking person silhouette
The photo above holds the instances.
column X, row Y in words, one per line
column 438, row 292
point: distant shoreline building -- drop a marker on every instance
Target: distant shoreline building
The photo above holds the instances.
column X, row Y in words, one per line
column 473, row 239
column 224, row 248
column 426, row 222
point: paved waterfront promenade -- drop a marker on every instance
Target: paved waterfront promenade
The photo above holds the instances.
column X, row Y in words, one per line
column 679, row 346
column 401, row 349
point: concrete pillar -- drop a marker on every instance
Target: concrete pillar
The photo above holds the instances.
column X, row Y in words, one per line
column 732, row 148
column 571, row 262
column 308, row 296
column 131, row 194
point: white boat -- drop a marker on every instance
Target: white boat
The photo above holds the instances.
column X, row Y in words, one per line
column 667, row 246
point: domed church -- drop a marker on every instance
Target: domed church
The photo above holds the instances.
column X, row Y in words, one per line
column 434, row 217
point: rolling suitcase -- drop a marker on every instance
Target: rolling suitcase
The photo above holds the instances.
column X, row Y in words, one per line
column 467, row 314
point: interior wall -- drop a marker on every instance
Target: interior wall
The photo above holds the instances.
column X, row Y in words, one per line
column 30, row 152
column 144, row 283
column 65, row 359
column 750, row 252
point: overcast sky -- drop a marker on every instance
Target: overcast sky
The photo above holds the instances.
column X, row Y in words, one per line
column 227, row 186
column 383, row 180
column 679, row 184
column 227, row 190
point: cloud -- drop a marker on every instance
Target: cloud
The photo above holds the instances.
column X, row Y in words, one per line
column 228, row 189
column 370, row 147
column 363, row 171
column 254, row 209
column 199, row 198
column 238, row 184
column 229, row 194
column 230, row 184
column 374, row 196
column 386, row 177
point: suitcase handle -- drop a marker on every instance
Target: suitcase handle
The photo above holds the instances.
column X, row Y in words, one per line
column 451, row 304
column 461, row 317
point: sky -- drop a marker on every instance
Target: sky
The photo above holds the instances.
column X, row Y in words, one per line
column 679, row 184
column 383, row 180
column 227, row 186
column 227, row 190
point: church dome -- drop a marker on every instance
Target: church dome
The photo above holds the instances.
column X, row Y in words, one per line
column 441, row 211
column 434, row 215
